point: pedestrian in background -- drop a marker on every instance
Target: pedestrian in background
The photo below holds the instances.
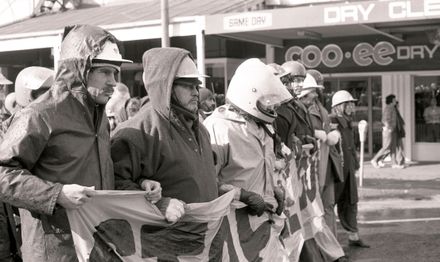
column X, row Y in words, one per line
column 346, row 193
column 392, row 134
column 431, row 114
column 56, row 151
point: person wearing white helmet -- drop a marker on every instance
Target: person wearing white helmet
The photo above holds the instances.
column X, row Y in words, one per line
column 346, row 192
column 56, row 150
column 242, row 137
column 329, row 164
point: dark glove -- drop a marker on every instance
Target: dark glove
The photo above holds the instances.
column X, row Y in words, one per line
column 255, row 202
column 296, row 147
column 280, row 194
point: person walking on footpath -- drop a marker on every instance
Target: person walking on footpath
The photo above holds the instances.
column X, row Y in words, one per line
column 56, row 151
column 346, row 192
column 392, row 134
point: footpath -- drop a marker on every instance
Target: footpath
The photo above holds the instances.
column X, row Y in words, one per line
column 416, row 186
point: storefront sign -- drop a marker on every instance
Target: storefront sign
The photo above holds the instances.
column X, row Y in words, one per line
column 363, row 54
column 393, row 9
column 247, row 21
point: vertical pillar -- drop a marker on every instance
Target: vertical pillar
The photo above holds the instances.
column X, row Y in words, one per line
column 270, row 54
column 165, row 23
column 200, row 47
column 56, row 50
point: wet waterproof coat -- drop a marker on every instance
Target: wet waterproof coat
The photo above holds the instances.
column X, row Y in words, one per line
column 347, row 148
column 328, row 153
column 293, row 120
column 155, row 144
column 245, row 154
column 61, row 138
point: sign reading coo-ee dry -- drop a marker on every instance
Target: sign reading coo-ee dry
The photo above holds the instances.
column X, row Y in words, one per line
column 383, row 56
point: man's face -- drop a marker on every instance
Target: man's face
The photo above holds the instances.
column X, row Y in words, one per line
column 100, row 83
column 296, row 85
column 349, row 108
column 187, row 93
column 208, row 105
column 133, row 107
column 309, row 99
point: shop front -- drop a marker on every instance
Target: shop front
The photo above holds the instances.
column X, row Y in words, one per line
column 369, row 48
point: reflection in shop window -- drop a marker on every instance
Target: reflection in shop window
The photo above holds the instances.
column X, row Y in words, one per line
column 427, row 109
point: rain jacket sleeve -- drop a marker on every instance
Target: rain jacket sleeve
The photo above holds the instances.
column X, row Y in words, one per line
column 126, row 157
column 20, row 150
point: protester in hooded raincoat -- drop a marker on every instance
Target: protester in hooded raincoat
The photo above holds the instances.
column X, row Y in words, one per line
column 243, row 140
column 164, row 142
column 56, row 150
column 346, row 193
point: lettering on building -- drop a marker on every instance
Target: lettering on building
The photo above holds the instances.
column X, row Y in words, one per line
column 363, row 54
column 247, row 21
column 393, row 10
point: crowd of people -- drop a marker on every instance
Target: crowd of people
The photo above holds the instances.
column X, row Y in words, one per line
column 76, row 131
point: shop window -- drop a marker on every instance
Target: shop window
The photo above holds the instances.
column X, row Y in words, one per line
column 427, row 108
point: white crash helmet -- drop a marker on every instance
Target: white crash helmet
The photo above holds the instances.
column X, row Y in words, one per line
column 309, row 85
column 11, row 103
column 256, row 90
column 295, row 68
column 342, row 96
column 31, row 79
column 319, row 78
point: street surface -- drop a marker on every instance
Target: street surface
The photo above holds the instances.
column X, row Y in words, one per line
column 399, row 215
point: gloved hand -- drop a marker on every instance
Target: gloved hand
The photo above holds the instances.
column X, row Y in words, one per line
column 333, row 137
column 153, row 190
column 321, row 135
column 173, row 209
column 311, row 140
column 255, row 202
column 296, row 147
column 280, row 194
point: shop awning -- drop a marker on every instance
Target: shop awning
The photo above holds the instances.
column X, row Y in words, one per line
column 133, row 21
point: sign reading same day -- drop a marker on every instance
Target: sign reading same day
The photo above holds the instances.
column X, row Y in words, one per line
column 247, row 21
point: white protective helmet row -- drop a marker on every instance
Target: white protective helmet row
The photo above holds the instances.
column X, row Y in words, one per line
column 29, row 80
column 256, row 90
